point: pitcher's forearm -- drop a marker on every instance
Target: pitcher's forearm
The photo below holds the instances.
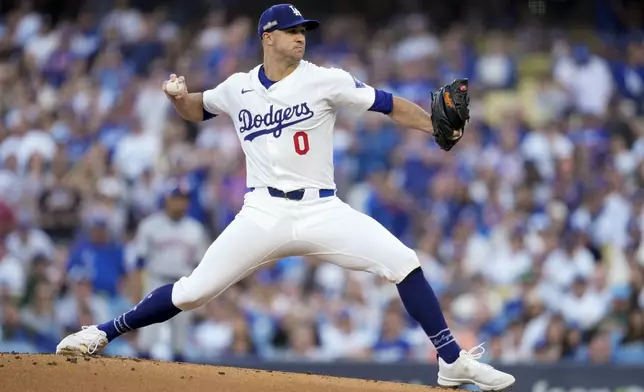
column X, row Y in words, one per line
column 190, row 107
column 407, row 114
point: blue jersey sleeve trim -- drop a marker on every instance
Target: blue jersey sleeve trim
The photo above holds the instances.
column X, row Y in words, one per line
column 207, row 115
column 383, row 103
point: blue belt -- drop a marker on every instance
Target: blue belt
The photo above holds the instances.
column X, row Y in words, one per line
column 297, row 194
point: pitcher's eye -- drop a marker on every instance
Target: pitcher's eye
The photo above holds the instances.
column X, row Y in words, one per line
column 296, row 30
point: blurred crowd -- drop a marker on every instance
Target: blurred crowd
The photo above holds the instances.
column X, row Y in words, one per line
column 530, row 230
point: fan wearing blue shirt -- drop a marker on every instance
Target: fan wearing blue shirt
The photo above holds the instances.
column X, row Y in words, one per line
column 101, row 256
column 392, row 346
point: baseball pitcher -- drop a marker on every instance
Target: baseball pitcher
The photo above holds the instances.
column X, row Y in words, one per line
column 284, row 112
column 169, row 244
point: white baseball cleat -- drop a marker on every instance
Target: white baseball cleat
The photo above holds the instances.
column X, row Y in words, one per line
column 88, row 341
column 468, row 370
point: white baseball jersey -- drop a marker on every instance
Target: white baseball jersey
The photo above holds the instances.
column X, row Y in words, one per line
column 286, row 131
column 170, row 248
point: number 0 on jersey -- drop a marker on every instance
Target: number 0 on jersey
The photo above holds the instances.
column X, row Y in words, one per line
column 301, row 142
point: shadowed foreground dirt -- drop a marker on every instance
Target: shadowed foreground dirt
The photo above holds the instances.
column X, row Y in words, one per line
column 35, row 373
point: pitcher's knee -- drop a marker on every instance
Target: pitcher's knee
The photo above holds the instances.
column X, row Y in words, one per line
column 411, row 262
column 186, row 296
column 403, row 266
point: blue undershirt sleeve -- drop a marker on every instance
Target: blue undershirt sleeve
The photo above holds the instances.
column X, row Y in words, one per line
column 207, row 115
column 383, row 103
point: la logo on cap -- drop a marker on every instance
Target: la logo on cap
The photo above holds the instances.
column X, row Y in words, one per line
column 295, row 11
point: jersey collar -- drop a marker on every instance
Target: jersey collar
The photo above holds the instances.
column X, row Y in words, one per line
column 269, row 85
column 263, row 79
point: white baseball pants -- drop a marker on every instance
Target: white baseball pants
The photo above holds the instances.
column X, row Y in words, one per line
column 270, row 228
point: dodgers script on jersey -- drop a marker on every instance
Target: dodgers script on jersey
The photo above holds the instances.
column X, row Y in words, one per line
column 286, row 131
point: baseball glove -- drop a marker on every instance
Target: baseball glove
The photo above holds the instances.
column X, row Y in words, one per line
column 450, row 112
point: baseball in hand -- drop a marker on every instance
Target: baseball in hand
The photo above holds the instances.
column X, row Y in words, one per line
column 175, row 86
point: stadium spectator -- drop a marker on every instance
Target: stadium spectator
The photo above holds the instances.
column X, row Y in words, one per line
column 99, row 259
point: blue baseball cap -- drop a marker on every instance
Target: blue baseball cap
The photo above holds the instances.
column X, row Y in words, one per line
column 180, row 188
column 98, row 221
column 282, row 17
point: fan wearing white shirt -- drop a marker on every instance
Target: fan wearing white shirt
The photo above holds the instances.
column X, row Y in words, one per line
column 136, row 152
column 27, row 241
column 565, row 264
column 582, row 306
column 508, row 264
column 43, row 44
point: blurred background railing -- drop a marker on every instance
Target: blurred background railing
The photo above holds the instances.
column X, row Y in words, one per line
column 530, row 230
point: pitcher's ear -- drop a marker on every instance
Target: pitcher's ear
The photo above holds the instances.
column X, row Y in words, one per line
column 268, row 38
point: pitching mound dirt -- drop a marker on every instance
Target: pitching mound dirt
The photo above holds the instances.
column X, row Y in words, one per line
column 35, row 373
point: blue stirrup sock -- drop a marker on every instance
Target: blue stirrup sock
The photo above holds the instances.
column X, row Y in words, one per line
column 157, row 307
column 421, row 303
column 415, row 292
